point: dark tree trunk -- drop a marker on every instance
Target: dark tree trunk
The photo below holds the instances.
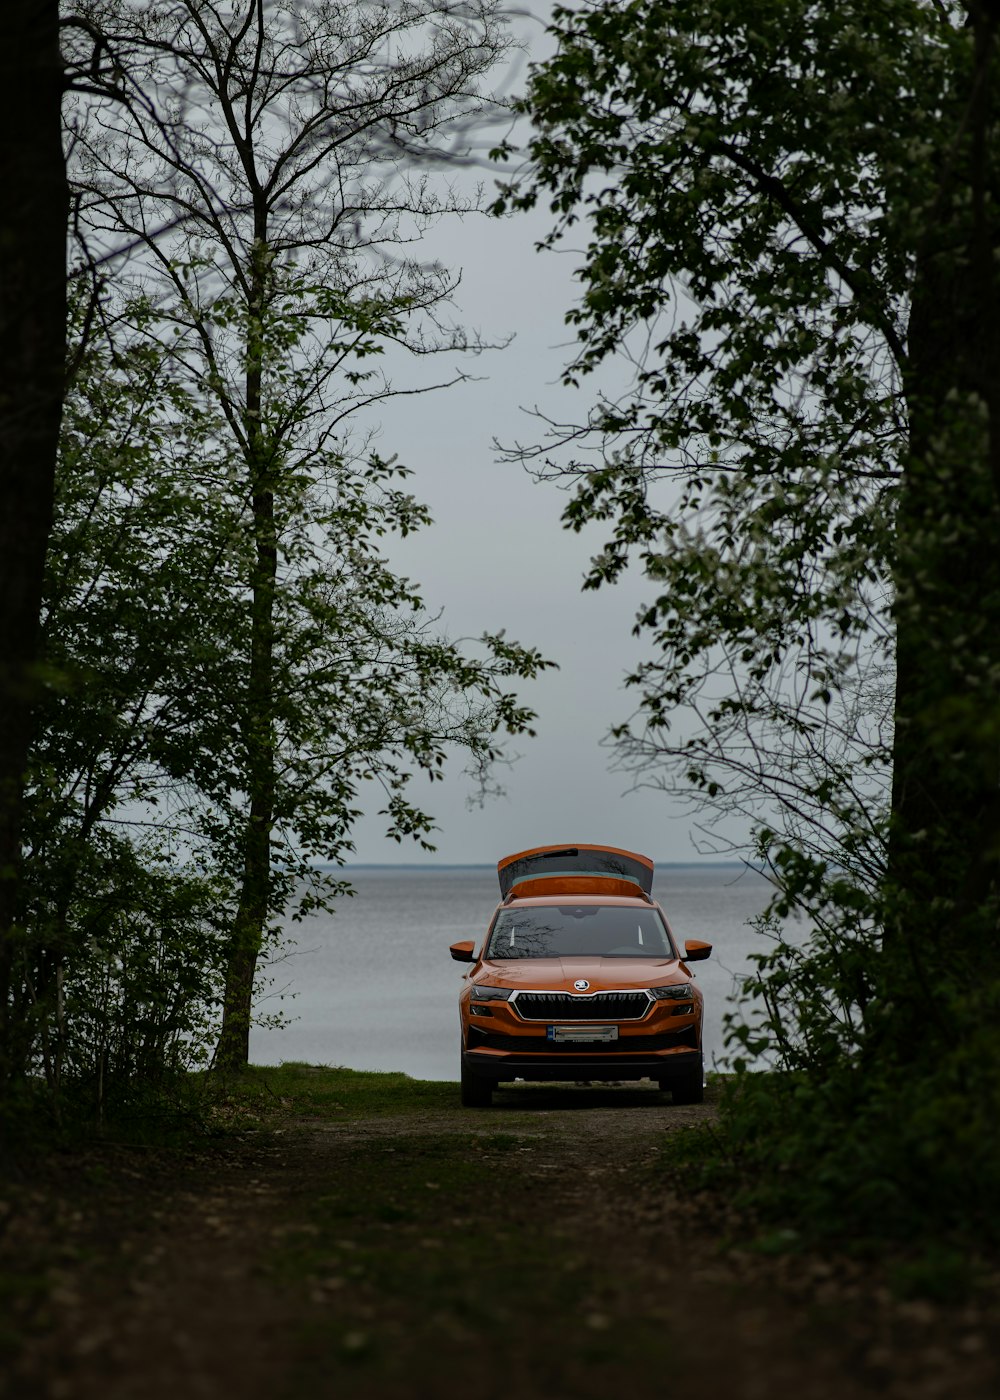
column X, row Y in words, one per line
column 33, row 215
column 944, row 869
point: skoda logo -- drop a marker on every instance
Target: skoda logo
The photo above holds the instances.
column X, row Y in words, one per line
column 580, row 985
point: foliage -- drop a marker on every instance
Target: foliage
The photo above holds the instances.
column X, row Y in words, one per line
column 230, row 659
column 790, row 230
column 140, row 764
column 271, row 168
column 729, row 167
column 815, row 1159
column 119, row 963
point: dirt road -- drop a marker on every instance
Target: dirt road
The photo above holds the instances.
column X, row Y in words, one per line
column 531, row 1250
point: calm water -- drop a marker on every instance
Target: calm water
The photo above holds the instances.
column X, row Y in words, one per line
column 373, row 986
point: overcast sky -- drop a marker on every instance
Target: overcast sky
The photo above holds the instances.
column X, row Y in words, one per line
column 497, row 557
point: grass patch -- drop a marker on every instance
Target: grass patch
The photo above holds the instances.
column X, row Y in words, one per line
column 334, row 1093
column 337, row 1094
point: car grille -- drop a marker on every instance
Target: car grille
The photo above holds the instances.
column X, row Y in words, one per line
column 561, row 1006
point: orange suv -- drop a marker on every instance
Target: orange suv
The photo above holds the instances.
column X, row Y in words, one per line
column 579, row 978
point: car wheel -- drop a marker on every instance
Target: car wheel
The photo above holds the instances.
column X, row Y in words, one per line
column 690, row 1089
column 476, row 1092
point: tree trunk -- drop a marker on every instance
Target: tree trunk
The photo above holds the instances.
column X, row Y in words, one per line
column 32, row 354
column 233, row 1050
column 944, row 868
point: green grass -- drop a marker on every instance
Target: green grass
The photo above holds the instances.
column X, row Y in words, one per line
column 340, row 1094
column 343, row 1093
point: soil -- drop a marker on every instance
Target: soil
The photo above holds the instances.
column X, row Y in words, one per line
column 531, row 1249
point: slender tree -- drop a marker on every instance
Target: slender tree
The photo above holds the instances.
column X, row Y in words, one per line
column 133, row 836
column 271, row 166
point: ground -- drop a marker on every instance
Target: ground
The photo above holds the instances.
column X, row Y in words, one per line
column 367, row 1236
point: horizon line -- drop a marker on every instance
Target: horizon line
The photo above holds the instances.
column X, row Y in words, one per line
column 488, row 865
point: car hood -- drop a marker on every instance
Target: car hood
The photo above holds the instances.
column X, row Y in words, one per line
column 559, row 974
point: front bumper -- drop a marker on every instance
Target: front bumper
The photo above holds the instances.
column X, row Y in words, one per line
column 666, row 1066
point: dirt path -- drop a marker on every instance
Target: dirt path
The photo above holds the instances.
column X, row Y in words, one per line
column 530, row 1249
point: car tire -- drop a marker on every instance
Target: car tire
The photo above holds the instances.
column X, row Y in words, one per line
column 690, row 1089
column 476, row 1092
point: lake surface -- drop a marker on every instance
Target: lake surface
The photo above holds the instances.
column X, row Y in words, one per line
column 374, row 987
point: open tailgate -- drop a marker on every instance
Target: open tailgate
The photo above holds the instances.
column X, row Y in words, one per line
column 548, row 870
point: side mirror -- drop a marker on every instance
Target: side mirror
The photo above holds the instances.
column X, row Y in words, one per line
column 464, row 951
column 696, row 951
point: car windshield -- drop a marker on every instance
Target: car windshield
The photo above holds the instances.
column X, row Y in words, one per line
column 579, row 930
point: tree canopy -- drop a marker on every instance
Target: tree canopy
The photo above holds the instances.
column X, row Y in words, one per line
column 230, row 657
column 790, row 222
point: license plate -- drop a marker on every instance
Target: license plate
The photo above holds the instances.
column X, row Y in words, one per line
column 578, row 1033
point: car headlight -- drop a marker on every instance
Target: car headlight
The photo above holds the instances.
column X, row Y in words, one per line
column 491, row 993
column 672, row 993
